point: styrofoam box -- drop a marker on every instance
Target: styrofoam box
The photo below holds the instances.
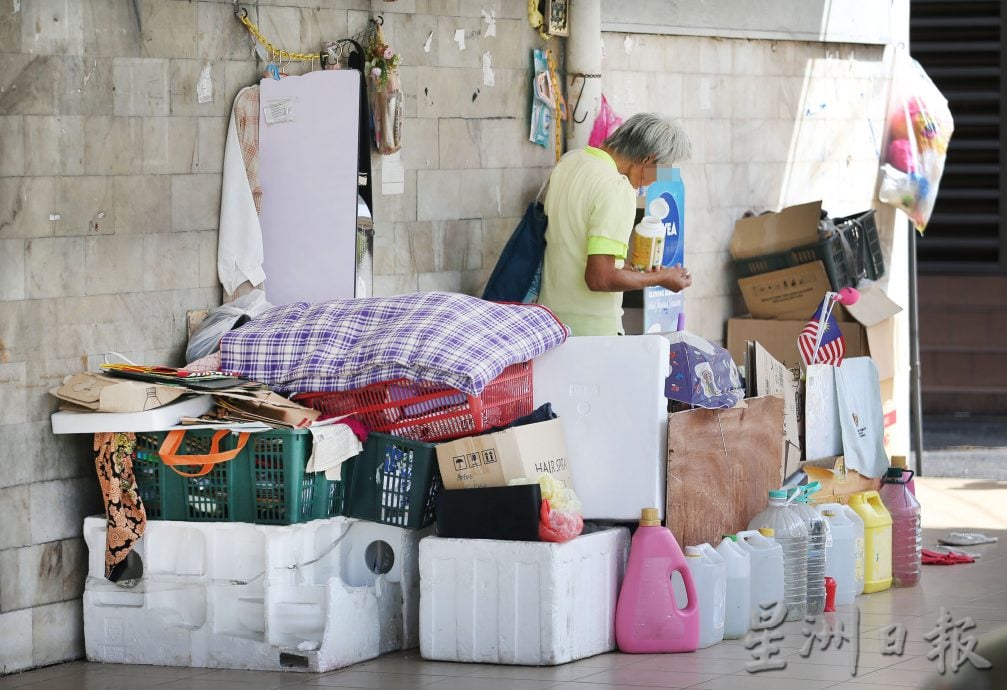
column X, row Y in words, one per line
column 311, row 597
column 513, row 602
column 609, row 392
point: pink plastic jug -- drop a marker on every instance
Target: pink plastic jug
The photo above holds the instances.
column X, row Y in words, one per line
column 906, row 533
column 648, row 619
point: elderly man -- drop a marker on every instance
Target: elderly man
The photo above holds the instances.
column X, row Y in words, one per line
column 591, row 205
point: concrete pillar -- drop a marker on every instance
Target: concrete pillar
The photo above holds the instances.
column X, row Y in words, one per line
column 583, row 57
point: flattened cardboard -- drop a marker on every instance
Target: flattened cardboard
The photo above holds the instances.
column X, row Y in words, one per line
column 495, row 459
column 100, row 393
column 790, row 293
column 837, row 482
column 776, row 232
column 721, row 463
column 266, row 406
column 780, row 338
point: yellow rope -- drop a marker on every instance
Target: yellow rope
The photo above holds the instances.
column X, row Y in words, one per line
column 273, row 51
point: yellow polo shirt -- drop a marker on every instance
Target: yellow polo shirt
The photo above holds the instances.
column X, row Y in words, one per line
column 591, row 209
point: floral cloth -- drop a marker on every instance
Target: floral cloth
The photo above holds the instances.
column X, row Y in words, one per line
column 126, row 516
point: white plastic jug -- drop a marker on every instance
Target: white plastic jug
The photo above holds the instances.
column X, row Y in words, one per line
column 739, row 588
column 709, row 574
column 766, row 559
column 844, row 559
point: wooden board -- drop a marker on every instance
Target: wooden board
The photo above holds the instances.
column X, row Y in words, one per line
column 721, row 464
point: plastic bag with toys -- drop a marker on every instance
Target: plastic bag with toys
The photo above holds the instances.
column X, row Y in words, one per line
column 919, row 127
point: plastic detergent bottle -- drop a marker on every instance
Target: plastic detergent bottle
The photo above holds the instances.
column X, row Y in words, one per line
column 766, row 560
column 648, row 618
column 818, row 538
column 738, row 602
column 791, row 533
column 877, row 540
column 709, row 573
column 844, row 558
column 906, row 536
column 648, row 244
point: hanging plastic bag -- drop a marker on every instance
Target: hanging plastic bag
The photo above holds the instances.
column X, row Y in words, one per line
column 606, row 123
column 919, row 127
column 384, row 93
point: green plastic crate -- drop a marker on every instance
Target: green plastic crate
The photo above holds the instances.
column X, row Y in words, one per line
column 394, row 481
column 265, row 483
column 862, row 234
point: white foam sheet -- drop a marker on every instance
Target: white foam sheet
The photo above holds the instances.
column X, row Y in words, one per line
column 158, row 419
column 609, row 392
column 308, row 171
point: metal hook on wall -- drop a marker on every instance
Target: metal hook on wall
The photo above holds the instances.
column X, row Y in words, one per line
column 584, row 77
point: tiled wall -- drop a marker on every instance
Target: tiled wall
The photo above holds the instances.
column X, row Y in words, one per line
column 110, row 183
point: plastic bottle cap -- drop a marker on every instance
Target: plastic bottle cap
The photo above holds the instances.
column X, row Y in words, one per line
column 732, row 537
column 649, row 517
column 767, row 531
column 777, row 493
column 828, row 513
column 693, row 552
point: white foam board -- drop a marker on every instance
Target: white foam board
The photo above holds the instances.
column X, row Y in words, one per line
column 527, row 603
column 609, row 393
column 158, row 419
column 274, row 598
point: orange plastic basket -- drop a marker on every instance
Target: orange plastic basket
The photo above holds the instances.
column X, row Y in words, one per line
column 431, row 411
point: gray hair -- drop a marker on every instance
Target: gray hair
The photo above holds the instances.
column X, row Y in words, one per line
column 649, row 135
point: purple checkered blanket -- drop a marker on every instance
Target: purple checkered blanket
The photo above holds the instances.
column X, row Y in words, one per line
column 460, row 341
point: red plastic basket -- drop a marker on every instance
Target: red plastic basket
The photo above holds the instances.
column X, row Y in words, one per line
column 431, row 411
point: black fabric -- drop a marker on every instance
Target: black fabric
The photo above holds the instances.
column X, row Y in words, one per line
column 356, row 61
column 520, row 259
column 542, row 413
column 510, row 513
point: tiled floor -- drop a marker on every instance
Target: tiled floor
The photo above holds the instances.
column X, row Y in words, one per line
column 978, row 590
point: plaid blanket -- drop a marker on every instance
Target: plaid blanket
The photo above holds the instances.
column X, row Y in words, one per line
column 460, row 341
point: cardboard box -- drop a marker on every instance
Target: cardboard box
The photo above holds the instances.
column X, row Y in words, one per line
column 495, row 459
column 776, row 232
column 838, row 483
column 790, row 293
column 721, row 463
column 766, row 376
column 780, row 338
column 98, row 393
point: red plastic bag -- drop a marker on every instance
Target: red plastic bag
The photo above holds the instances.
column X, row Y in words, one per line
column 558, row 525
column 606, row 123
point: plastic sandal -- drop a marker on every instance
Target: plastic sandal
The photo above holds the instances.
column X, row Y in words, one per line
column 966, row 539
column 959, row 552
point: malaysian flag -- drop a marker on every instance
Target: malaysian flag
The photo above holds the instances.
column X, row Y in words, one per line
column 823, row 334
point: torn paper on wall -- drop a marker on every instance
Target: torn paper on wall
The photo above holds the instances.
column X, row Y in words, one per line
column 204, row 86
column 460, row 38
column 487, row 69
column 490, row 19
column 393, row 174
column 627, row 45
column 426, row 44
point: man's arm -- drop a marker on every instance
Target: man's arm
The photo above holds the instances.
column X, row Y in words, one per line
column 601, row 275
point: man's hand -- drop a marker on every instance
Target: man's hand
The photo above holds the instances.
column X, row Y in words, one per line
column 675, row 278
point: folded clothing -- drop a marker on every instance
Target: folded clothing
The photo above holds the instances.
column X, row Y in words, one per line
column 456, row 340
column 937, row 558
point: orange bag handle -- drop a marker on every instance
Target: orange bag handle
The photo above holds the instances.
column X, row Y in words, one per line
column 173, row 441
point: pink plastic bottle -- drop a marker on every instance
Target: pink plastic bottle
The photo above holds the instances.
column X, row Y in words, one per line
column 647, row 617
column 906, row 533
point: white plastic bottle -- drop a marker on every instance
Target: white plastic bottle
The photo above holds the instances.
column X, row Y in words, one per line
column 792, row 534
column 738, row 604
column 648, row 244
column 766, row 560
column 844, row 559
column 709, row 573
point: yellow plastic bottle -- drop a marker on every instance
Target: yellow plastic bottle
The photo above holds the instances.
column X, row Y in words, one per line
column 877, row 540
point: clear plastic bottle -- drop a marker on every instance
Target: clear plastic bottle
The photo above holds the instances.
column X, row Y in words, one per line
column 790, row 533
column 906, row 533
column 819, row 538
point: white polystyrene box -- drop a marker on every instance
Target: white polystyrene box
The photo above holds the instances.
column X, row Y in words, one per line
column 311, row 597
column 526, row 603
column 609, row 393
